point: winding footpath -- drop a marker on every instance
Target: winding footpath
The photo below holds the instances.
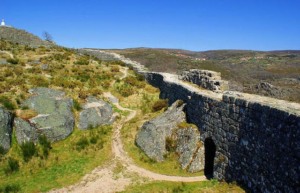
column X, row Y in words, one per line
column 107, row 178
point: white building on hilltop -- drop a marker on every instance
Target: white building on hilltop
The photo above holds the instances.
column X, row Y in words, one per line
column 3, row 22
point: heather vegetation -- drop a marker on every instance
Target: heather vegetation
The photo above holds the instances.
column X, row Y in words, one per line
column 246, row 71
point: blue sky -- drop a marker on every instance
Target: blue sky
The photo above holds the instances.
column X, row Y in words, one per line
column 187, row 24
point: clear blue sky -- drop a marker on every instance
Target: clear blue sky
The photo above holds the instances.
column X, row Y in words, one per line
column 188, row 24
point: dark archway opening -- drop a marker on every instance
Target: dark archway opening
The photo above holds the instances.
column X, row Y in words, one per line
column 210, row 153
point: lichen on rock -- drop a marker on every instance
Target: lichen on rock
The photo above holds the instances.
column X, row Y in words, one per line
column 155, row 136
column 190, row 149
column 152, row 136
column 95, row 113
column 55, row 119
column 5, row 129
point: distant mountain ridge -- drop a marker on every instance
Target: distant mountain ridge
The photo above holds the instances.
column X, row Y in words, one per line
column 22, row 37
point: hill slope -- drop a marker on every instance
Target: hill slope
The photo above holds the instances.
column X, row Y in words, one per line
column 21, row 37
column 274, row 73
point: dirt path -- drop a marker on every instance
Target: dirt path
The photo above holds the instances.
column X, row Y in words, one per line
column 107, row 179
column 8, row 53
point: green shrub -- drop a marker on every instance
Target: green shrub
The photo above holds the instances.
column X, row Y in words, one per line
column 125, row 90
column 76, row 105
column 119, row 62
column 83, row 94
column 11, row 188
column 96, row 91
column 60, row 57
column 115, row 69
column 13, row 61
column 28, row 150
column 7, row 103
column 94, row 139
column 185, row 125
column 160, row 104
column 170, row 144
column 2, row 150
column 104, row 130
column 46, row 145
column 131, row 81
column 12, row 166
column 105, row 84
column 140, row 77
column 83, row 60
column 101, row 144
column 179, row 189
column 82, row 143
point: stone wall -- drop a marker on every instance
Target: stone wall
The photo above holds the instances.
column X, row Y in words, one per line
column 206, row 79
column 257, row 138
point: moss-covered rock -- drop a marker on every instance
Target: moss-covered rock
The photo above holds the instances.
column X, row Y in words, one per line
column 55, row 119
column 5, row 128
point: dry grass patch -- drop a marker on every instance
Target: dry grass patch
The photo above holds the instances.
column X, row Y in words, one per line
column 26, row 114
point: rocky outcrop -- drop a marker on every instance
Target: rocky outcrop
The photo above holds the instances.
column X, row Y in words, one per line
column 95, row 113
column 160, row 135
column 5, row 128
column 190, row 149
column 267, row 89
column 55, row 119
column 152, row 136
column 206, row 79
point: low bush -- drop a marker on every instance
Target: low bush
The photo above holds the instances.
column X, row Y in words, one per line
column 45, row 144
column 83, row 60
column 7, row 103
column 82, row 143
column 115, row 69
column 13, row 61
column 96, row 91
column 2, row 151
column 134, row 82
column 76, row 105
column 94, row 139
column 60, row 57
column 119, row 62
column 170, row 144
column 179, row 189
column 12, row 166
column 140, row 77
column 10, row 188
column 83, row 94
column 105, row 84
column 185, row 125
column 125, row 90
column 28, row 150
column 131, row 81
column 160, row 104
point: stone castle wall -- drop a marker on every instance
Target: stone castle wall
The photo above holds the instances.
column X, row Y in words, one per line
column 206, row 79
column 257, row 138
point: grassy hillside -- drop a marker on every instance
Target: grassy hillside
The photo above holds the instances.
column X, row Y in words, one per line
column 21, row 37
column 23, row 68
column 245, row 70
